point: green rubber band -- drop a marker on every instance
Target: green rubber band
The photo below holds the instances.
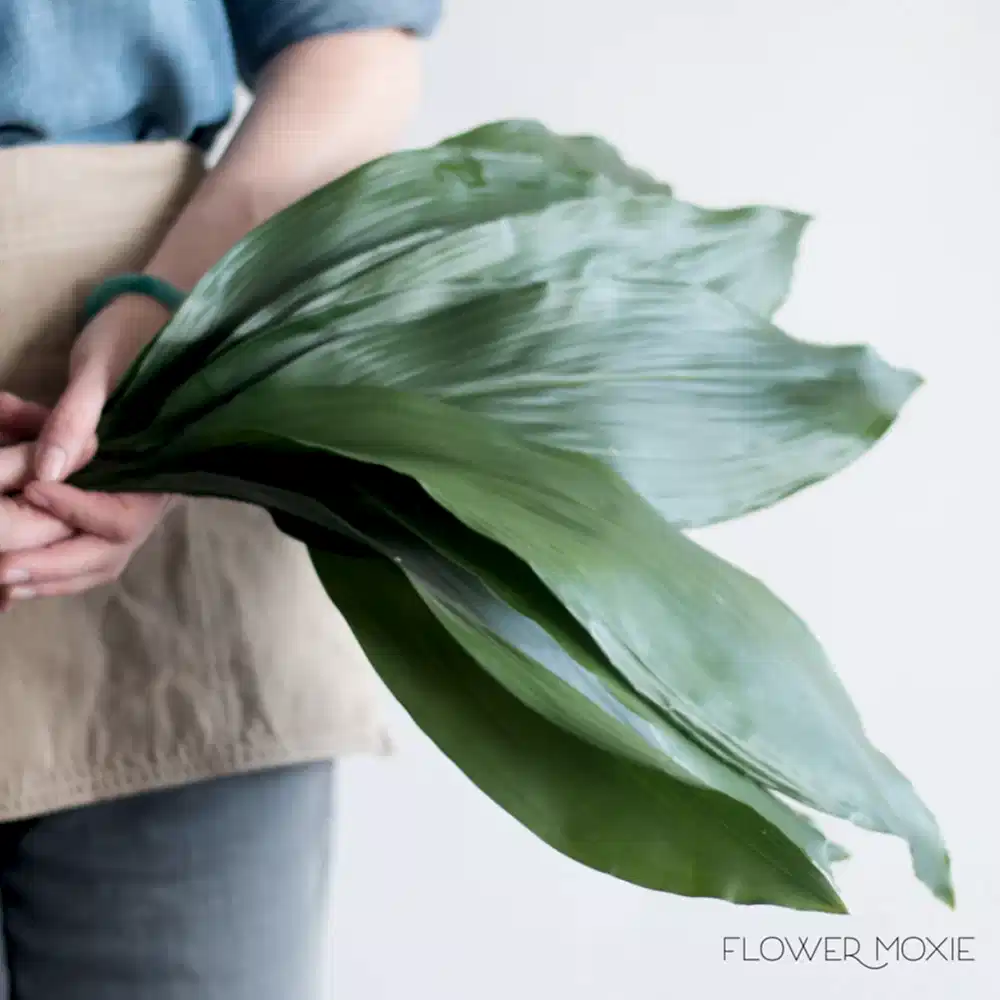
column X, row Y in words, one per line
column 106, row 292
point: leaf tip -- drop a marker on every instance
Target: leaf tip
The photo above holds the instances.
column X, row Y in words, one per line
column 829, row 902
column 935, row 873
column 888, row 388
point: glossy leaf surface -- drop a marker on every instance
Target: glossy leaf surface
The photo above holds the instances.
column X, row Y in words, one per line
column 503, row 374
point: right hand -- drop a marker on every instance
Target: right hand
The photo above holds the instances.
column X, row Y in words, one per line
column 21, row 525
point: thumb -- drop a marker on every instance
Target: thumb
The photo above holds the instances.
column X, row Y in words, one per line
column 66, row 441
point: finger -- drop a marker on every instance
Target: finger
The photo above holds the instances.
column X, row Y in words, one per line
column 9, row 596
column 16, row 464
column 25, row 527
column 115, row 517
column 82, row 555
column 20, row 418
column 72, row 425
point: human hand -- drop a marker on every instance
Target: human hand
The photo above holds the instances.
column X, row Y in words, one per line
column 21, row 525
column 56, row 539
column 67, row 437
column 105, row 530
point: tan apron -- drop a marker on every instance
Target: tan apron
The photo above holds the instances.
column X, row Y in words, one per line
column 217, row 651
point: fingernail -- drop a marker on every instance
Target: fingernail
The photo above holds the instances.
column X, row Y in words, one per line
column 51, row 466
column 16, row 576
column 22, row 593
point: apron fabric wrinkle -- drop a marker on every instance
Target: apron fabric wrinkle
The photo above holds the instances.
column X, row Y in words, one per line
column 217, row 651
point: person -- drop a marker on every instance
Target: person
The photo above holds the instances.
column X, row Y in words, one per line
column 174, row 684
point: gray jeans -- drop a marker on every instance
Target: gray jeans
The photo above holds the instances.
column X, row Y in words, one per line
column 214, row 891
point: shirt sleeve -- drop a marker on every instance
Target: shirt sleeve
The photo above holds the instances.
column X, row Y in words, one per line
column 262, row 28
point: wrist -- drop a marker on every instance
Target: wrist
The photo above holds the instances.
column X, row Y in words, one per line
column 134, row 311
column 116, row 335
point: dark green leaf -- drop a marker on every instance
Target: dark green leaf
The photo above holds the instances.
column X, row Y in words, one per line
column 398, row 200
column 712, row 647
column 708, row 411
column 605, row 812
column 572, row 364
column 538, row 652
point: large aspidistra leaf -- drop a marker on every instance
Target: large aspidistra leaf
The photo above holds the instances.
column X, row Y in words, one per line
column 611, row 325
column 572, row 364
column 558, row 674
column 495, row 171
column 731, row 665
column 613, row 815
column 705, row 409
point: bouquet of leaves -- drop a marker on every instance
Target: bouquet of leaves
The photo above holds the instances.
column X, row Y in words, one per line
column 490, row 384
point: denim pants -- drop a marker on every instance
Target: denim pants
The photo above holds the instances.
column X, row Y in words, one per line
column 214, row 891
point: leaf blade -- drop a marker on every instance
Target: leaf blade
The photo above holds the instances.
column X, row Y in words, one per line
column 601, row 550
column 606, row 813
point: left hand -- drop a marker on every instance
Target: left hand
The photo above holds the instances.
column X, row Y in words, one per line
column 109, row 528
column 106, row 529
column 100, row 356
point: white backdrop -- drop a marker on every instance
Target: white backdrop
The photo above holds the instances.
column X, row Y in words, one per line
column 879, row 118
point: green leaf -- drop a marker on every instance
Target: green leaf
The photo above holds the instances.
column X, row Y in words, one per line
column 706, row 410
column 581, row 693
column 605, row 812
column 504, row 616
column 573, row 365
column 728, row 663
column 538, row 652
column 588, row 158
column 546, row 209
column 394, row 202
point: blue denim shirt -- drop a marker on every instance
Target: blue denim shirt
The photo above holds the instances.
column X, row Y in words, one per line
column 76, row 71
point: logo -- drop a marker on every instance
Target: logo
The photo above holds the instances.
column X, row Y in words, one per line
column 878, row 953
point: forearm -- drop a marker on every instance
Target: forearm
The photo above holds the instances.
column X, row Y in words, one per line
column 322, row 107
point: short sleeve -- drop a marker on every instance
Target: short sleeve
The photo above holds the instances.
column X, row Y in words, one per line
column 262, row 28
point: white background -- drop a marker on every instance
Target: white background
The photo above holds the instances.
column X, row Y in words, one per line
column 880, row 119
